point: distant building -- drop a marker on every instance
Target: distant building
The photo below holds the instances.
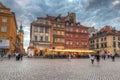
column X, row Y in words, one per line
column 21, row 41
column 8, row 30
column 106, row 40
column 92, row 31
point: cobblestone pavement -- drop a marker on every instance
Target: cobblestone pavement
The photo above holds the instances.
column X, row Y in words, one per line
column 58, row 69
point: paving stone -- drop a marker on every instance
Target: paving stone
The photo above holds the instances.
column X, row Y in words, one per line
column 59, row 69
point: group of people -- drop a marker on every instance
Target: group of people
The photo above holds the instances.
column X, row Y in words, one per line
column 19, row 56
column 97, row 57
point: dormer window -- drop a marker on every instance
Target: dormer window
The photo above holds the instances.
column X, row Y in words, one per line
column 67, row 23
column 54, row 25
column 58, row 19
column 71, row 24
column 2, row 11
column 58, row 25
column 78, row 24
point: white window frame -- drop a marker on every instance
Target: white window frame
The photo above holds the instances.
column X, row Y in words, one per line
column 3, row 29
column 4, row 19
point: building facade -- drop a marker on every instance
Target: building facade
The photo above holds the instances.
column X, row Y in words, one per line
column 76, row 35
column 21, row 40
column 40, row 33
column 106, row 40
column 8, row 30
column 63, row 33
column 58, row 31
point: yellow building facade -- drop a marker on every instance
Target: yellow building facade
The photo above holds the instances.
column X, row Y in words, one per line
column 8, row 30
column 107, row 40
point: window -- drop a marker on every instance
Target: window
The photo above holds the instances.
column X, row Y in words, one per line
column 67, row 35
column 54, row 39
column 58, row 25
column 119, row 44
column 62, row 33
column 46, row 38
column 58, row 19
column 113, row 37
column 67, row 29
column 77, row 43
column 101, row 39
column 67, row 23
column 4, row 29
column 82, row 31
column 47, row 22
column 4, row 19
column 54, row 32
column 76, row 36
column 71, row 29
column 54, row 25
column 62, row 26
column 114, row 44
column 35, row 38
column 35, row 29
column 71, row 35
column 71, row 24
column 104, row 38
column 41, row 38
column 58, row 32
column 3, row 38
column 41, row 30
column 118, row 38
column 97, row 46
column 71, row 42
column 63, row 40
column 46, row 30
column 76, row 30
column 2, row 11
column 67, row 42
column 97, row 40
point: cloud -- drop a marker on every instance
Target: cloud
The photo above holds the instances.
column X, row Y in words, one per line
column 96, row 13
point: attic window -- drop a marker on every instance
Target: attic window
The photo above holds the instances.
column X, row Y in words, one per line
column 2, row 11
column 78, row 24
column 71, row 24
column 58, row 19
column 67, row 23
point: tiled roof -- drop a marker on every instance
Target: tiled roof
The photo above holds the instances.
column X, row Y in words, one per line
column 106, row 28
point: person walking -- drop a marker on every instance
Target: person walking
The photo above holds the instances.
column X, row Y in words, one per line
column 92, row 57
column 113, row 57
column 9, row 55
column 98, row 58
column 21, row 56
column 2, row 55
column 16, row 54
column 69, row 57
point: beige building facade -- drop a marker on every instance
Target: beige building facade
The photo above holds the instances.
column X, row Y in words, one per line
column 106, row 40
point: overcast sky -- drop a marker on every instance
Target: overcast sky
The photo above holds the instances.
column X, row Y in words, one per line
column 97, row 13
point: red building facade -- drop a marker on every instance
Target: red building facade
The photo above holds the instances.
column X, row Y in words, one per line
column 76, row 35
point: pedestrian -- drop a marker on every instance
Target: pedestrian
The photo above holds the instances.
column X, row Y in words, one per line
column 2, row 55
column 92, row 57
column 21, row 56
column 113, row 57
column 69, row 57
column 98, row 58
column 9, row 55
column 16, row 54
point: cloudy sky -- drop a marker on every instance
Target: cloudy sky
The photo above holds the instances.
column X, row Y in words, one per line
column 97, row 13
